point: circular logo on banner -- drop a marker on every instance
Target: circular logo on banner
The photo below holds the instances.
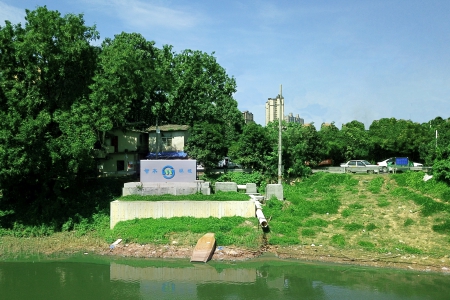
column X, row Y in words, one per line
column 168, row 172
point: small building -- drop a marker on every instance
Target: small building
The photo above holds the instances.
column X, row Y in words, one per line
column 123, row 150
column 167, row 138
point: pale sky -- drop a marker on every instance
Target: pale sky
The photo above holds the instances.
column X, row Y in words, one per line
column 337, row 60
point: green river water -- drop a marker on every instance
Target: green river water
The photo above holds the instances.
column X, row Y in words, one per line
column 88, row 277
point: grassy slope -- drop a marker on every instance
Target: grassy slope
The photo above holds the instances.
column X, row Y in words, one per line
column 372, row 216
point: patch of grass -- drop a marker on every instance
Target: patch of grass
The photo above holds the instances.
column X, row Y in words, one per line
column 283, row 240
column 315, row 222
column 308, row 232
column 408, row 249
column 383, row 202
column 347, row 212
column 229, row 230
column 371, row 227
column 329, row 205
column 338, row 239
column 375, row 185
column 408, row 222
column 367, row 245
column 356, row 206
column 353, row 226
column 444, row 227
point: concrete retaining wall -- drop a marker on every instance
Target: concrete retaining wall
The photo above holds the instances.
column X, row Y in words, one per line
column 163, row 188
column 129, row 210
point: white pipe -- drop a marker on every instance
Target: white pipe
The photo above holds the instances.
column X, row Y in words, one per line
column 259, row 214
column 261, row 218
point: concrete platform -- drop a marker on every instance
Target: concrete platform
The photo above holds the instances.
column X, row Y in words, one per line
column 129, row 210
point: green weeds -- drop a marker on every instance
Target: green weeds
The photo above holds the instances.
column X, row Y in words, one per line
column 375, row 185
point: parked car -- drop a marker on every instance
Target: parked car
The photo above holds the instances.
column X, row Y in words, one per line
column 360, row 166
column 391, row 161
column 227, row 163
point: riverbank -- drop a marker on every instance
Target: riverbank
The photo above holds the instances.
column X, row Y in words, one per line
column 393, row 221
column 64, row 244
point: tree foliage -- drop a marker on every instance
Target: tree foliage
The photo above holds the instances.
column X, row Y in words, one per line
column 202, row 90
column 207, row 144
column 45, row 140
column 253, row 147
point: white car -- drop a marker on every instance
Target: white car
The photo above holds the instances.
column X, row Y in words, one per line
column 360, row 166
column 391, row 161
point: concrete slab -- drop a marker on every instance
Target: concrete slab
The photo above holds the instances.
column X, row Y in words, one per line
column 274, row 190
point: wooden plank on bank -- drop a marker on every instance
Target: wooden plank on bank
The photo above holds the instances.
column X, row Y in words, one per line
column 204, row 249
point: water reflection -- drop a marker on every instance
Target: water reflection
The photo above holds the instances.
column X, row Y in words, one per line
column 101, row 278
column 280, row 280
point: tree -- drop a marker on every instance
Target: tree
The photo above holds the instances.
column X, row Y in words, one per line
column 301, row 144
column 391, row 137
column 436, row 136
column 130, row 84
column 202, row 91
column 206, row 143
column 330, row 137
column 356, row 140
column 253, row 147
column 46, row 68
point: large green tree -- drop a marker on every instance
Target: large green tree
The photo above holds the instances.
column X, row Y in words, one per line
column 203, row 91
column 391, row 137
column 356, row 140
column 253, row 147
column 130, row 84
column 206, row 143
column 46, row 68
column 332, row 142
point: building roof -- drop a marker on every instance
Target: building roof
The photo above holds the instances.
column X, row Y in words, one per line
column 169, row 127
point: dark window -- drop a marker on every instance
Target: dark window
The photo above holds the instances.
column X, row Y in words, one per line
column 120, row 165
column 115, row 143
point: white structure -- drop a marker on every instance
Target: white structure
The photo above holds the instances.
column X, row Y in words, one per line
column 170, row 137
column 272, row 109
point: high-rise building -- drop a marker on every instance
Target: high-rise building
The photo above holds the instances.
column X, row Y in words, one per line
column 291, row 119
column 248, row 116
column 274, row 109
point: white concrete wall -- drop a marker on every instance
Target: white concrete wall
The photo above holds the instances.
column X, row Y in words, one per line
column 129, row 210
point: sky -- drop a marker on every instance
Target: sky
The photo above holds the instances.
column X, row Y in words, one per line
column 333, row 60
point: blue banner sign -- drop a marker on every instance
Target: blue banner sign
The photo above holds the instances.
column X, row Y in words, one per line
column 171, row 170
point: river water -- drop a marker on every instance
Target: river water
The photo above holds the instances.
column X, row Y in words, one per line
column 91, row 277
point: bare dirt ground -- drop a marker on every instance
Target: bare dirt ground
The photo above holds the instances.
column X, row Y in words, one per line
column 305, row 253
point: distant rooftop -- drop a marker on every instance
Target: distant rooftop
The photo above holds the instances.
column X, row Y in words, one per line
column 169, row 127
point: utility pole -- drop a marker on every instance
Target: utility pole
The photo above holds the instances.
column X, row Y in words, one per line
column 279, row 135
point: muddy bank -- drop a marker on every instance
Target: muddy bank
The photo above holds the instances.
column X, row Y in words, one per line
column 305, row 253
